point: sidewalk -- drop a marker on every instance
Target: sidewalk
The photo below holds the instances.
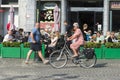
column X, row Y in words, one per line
column 15, row 69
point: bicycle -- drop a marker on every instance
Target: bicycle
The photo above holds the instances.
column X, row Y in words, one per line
column 59, row 58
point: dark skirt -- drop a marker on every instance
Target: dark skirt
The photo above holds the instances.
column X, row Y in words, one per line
column 35, row 46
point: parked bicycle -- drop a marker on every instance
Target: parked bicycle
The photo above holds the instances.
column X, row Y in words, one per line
column 59, row 58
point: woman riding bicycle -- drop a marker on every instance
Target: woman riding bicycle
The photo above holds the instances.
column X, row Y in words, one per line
column 77, row 38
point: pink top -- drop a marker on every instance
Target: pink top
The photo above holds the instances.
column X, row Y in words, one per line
column 79, row 39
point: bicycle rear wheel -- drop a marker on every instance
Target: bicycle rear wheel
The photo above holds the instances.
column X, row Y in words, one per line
column 87, row 63
column 58, row 59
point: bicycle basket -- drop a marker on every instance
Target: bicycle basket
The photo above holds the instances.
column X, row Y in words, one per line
column 60, row 43
column 88, row 52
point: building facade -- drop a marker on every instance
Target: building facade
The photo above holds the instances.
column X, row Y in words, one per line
column 5, row 14
column 104, row 12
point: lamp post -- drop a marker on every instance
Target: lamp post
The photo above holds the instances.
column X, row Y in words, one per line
column 38, row 12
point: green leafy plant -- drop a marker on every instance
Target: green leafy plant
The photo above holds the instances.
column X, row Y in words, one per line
column 112, row 45
column 92, row 45
column 118, row 37
column 11, row 44
column 26, row 44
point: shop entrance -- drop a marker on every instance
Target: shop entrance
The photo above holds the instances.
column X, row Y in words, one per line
column 90, row 18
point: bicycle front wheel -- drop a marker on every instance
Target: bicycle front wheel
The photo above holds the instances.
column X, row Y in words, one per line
column 58, row 59
column 87, row 63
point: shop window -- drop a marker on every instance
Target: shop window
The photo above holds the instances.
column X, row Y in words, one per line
column 47, row 13
column 86, row 3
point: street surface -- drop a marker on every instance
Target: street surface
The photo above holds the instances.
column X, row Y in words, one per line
column 15, row 69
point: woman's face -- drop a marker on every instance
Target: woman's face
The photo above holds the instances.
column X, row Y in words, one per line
column 75, row 27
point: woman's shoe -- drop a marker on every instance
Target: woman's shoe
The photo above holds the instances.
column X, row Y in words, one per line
column 74, row 56
column 45, row 61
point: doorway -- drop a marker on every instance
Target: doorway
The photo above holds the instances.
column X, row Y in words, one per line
column 90, row 18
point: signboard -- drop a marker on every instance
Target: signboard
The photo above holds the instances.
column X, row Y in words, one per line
column 115, row 5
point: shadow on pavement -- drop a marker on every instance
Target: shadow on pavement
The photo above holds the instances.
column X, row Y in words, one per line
column 53, row 77
column 100, row 65
column 16, row 77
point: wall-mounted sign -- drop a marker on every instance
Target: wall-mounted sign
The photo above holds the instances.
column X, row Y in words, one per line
column 115, row 5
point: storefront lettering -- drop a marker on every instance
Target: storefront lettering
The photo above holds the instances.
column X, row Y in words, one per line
column 115, row 5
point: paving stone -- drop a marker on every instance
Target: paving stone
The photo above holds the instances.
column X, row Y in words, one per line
column 16, row 69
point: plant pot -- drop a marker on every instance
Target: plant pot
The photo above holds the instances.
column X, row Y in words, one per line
column 99, row 53
column 24, row 52
column 112, row 53
column 0, row 49
column 10, row 52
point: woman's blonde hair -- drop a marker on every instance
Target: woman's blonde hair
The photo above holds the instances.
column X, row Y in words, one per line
column 56, row 34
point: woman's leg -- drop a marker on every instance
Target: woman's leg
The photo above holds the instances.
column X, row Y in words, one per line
column 75, row 52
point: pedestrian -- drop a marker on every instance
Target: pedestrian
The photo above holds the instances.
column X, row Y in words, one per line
column 68, row 29
column 35, row 43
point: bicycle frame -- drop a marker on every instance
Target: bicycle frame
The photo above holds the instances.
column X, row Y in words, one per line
column 65, row 48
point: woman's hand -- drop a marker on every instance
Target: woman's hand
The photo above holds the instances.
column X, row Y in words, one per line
column 68, row 39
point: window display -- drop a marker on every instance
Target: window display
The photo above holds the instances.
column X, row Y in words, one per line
column 47, row 16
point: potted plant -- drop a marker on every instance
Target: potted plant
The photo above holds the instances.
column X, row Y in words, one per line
column 10, row 50
column 25, row 47
column 112, row 50
column 97, row 47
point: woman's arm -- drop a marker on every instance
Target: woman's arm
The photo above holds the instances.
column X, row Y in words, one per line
column 75, row 35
